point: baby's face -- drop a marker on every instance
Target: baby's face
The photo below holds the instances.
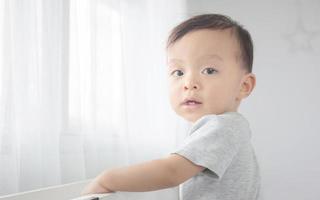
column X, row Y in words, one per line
column 203, row 68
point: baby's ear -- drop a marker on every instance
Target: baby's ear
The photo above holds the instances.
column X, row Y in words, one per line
column 248, row 83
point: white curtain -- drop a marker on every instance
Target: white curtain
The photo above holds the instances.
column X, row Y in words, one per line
column 83, row 88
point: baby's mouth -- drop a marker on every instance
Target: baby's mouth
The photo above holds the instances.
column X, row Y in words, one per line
column 190, row 102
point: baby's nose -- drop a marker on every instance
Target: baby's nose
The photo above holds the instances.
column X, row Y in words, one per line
column 191, row 86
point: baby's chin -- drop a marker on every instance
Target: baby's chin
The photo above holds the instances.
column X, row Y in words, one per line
column 193, row 118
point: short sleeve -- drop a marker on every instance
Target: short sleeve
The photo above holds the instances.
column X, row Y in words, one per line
column 214, row 140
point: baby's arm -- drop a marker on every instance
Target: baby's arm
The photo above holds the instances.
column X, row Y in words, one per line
column 148, row 176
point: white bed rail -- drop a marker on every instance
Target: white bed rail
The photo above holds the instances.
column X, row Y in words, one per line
column 72, row 192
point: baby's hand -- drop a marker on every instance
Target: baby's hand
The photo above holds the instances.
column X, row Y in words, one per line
column 94, row 187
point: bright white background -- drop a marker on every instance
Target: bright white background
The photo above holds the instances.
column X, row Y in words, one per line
column 83, row 88
column 284, row 108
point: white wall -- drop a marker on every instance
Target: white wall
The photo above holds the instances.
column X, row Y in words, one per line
column 284, row 108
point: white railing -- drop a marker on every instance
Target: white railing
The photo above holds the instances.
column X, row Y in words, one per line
column 72, row 192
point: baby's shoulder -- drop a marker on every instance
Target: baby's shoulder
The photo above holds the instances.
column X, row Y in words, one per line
column 229, row 120
column 232, row 118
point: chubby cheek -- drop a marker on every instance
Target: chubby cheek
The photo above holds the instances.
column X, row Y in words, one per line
column 175, row 96
column 217, row 101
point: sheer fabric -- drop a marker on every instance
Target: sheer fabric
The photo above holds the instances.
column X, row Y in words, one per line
column 82, row 88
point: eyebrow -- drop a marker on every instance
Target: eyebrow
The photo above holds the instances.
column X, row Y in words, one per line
column 213, row 56
column 209, row 56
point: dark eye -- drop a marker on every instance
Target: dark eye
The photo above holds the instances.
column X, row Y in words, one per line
column 209, row 70
column 177, row 73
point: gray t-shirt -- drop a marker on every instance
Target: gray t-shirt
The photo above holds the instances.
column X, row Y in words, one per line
column 221, row 144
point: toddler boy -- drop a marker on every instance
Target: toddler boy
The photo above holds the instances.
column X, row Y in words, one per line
column 210, row 71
